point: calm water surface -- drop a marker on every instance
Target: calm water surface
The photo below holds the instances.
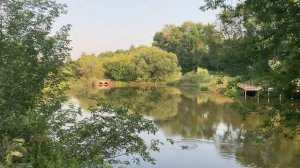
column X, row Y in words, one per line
column 205, row 130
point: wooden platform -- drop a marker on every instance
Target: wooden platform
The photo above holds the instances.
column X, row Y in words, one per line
column 248, row 87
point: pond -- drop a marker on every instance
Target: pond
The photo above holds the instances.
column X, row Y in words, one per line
column 205, row 130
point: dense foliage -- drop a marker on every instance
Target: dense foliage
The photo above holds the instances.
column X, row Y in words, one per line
column 90, row 67
column 196, row 79
column 262, row 40
column 35, row 130
column 154, row 64
column 260, row 43
column 262, row 46
column 30, row 58
column 196, row 45
column 30, row 77
column 148, row 64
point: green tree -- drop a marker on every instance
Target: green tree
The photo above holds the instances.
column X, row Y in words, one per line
column 122, row 71
column 262, row 45
column 90, row 68
column 142, row 64
column 33, row 126
column 30, row 76
column 154, row 64
column 194, row 44
column 30, row 58
column 257, row 34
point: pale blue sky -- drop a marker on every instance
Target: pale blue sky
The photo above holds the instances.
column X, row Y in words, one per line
column 104, row 25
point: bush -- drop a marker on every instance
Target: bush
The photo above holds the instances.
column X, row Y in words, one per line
column 155, row 64
column 122, row 71
column 143, row 64
column 194, row 78
column 233, row 92
column 204, row 88
column 202, row 71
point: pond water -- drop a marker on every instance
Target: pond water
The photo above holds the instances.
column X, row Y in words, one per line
column 206, row 131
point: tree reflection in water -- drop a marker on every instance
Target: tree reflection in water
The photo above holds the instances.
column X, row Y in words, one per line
column 198, row 116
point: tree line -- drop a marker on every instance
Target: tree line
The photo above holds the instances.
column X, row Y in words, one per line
column 195, row 44
column 176, row 50
column 147, row 64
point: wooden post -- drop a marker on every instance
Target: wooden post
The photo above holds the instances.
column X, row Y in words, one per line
column 269, row 90
column 268, row 96
column 245, row 95
column 280, row 98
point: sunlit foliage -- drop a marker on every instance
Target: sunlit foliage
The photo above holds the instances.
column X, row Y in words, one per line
column 195, row 45
column 149, row 64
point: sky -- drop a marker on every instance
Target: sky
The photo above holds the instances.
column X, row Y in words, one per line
column 107, row 25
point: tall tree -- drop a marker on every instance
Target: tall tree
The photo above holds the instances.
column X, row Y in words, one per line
column 155, row 64
column 262, row 46
column 90, row 69
column 33, row 126
column 30, row 58
column 30, row 75
column 194, row 44
column 260, row 34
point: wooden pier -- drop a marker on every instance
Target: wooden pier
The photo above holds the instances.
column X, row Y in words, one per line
column 253, row 90
column 249, row 88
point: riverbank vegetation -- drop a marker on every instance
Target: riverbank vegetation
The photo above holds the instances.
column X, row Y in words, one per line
column 261, row 46
column 176, row 50
column 250, row 45
column 257, row 42
column 145, row 64
column 199, row 79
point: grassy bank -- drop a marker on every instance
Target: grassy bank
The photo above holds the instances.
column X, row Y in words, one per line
column 200, row 79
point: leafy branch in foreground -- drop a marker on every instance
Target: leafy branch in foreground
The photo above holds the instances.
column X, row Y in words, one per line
column 34, row 131
column 107, row 133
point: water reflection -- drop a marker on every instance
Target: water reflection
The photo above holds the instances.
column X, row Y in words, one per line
column 202, row 125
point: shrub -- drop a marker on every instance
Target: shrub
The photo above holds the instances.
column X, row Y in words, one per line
column 233, row 92
column 195, row 78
